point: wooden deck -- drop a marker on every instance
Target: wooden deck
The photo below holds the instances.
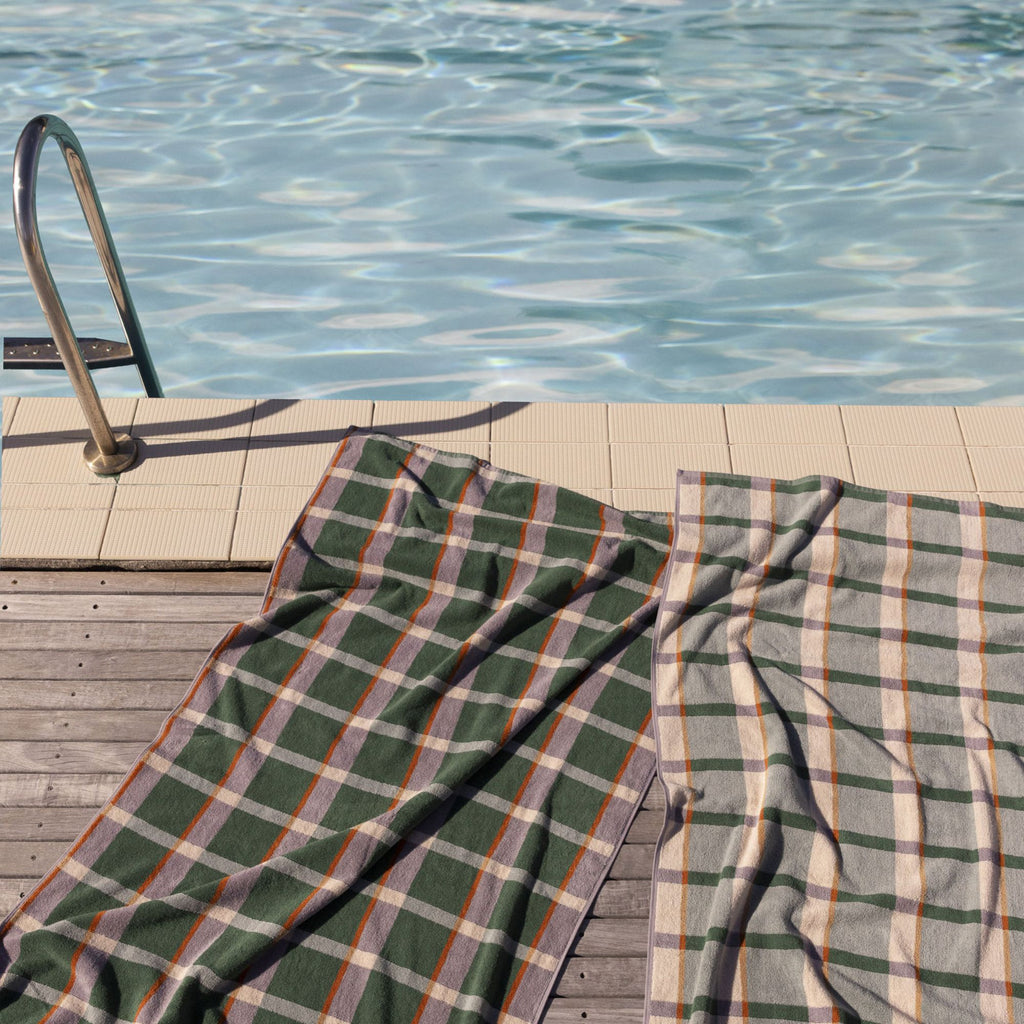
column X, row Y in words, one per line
column 91, row 664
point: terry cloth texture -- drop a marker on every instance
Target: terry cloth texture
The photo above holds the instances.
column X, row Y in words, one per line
column 391, row 796
column 839, row 711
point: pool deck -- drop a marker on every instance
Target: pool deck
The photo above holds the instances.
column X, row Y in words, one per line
column 94, row 656
column 218, row 482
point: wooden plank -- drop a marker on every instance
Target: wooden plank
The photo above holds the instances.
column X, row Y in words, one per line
column 603, row 1010
column 114, row 636
column 29, row 860
column 633, row 862
column 588, row 977
column 655, row 798
column 13, row 891
column 609, row 937
column 68, row 756
column 86, row 694
column 29, row 607
column 115, row 726
column 622, row 897
column 24, row 789
column 44, row 824
column 95, row 664
column 646, row 827
column 115, row 581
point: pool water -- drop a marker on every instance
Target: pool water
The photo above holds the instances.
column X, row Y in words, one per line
column 788, row 201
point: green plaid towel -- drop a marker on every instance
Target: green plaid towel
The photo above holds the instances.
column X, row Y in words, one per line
column 839, row 707
column 391, row 796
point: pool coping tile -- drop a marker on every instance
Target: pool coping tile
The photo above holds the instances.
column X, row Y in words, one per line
column 997, row 468
column 924, row 469
column 436, row 420
column 171, row 535
column 992, row 425
column 784, row 424
column 633, row 422
column 298, row 421
column 539, row 422
column 224, row 489
column 791, row 461
column 576, row 464
column 194, row 418
column 899, row 424
column 52, row 534
column 647, row 466
column 43, row 418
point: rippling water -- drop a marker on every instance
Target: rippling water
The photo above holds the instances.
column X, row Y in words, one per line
column 656, row 201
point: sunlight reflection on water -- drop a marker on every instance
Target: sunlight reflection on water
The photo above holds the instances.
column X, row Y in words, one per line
column 714, row 201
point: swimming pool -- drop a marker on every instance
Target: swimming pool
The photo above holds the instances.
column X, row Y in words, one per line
column 649, row 201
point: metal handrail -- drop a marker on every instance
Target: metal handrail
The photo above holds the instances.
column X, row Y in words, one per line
column 107, row 453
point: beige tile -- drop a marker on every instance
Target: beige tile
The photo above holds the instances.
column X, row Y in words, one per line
column 64, row 417
column 601, row 494
column 998, row 469
column 922, row 469
column 674, row 423
column 549, row 421
column 300, row 465
column 169, row 535
column 259, row 536
column 645, row 499
column 655, row 465
column 1012, row 499
column 433, row 421
column 57, row 461
column 280, row 417
column 784, row 424
column 569, row 465
column 56, row 496
column 786, row 462
column 176, row 497
column 478, row 449
column 183, row 461
column 52, row 533
column 194, row 417
column 895, row 424
column 9, row 404
column 274, row 499
column 992, row 424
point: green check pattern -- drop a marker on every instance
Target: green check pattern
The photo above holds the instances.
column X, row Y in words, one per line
column 839, row 708
column 392, row 795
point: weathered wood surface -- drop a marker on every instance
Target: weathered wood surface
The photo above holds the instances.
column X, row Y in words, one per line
column 91, row 664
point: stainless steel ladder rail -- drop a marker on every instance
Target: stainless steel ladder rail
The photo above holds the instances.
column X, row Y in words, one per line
column 106, row 453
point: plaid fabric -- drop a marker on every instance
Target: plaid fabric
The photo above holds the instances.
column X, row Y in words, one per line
column 392, row 795
column 839, row 706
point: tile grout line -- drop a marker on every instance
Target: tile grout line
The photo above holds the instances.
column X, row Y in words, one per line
column 967, row 451
column 117, row 484
column 728, row 439
column 608, row 451
column 241, row 485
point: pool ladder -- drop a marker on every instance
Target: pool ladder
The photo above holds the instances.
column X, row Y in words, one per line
column 106, row 453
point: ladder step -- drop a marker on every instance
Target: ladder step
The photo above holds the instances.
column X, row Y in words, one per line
column 42, row 354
